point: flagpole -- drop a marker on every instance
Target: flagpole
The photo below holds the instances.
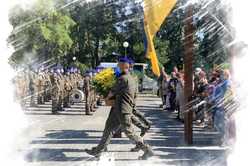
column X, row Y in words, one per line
column 188, row 73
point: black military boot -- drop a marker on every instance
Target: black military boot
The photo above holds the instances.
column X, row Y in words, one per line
column 93, row 152
column 55, row 112
column 144, row 131
column 135, row 149
column 148, row 152
column 88, row 114
column 148, row 123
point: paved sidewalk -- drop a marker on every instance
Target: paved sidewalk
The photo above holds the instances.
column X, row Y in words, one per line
column 60, row 140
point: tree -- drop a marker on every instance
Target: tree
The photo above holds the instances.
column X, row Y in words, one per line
column 95, row 31
column 172, row 32
column 42, row 31
column 213, row 35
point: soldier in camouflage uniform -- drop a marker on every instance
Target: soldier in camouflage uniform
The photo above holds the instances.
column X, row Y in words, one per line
column 55, row 93
column 67, row 91
column 95, row 96
column 124, row 92
column 47, row 87
column 39, row 85
column 73, row 84
column 32, row 89
column 92, row 96
column 22, row 88
column 43, row 92
column 61, row 91
column 138, row 119
column 87, row 94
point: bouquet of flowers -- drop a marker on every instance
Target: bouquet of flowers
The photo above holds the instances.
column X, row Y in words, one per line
column 104, row 81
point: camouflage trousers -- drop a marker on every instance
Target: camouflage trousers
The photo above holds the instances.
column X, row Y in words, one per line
column 139, row 120
column 47, row 94
column 87, row 103
column 115, row 122
column 66, row 99
column 32, row 98
column 40, row 98
column 56, row 103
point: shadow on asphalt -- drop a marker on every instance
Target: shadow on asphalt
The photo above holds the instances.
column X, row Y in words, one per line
column 39, row 155
column 166, row 138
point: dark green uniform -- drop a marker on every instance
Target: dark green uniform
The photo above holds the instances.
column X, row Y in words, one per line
column 138, row 119
column 125, row 91
column 121, row 116
column 112, row 125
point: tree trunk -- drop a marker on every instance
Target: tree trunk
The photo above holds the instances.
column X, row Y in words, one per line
column 188, row 74
column 97, row 60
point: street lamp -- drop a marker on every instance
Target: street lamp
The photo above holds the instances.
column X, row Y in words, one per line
column 125, row 45
column 74, row 58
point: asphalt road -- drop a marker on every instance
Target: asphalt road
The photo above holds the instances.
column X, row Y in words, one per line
column 60, row 140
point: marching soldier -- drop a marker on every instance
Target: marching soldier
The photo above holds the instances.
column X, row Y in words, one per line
column 138, row 119
column 123, row 92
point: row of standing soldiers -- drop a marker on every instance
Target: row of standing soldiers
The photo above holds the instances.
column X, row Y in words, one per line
column 57, row 87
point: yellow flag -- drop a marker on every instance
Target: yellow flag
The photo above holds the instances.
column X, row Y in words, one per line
column 155, row 12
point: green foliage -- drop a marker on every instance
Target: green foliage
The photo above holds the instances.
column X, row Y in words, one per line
column 172, row 33
column 56, row 31
column 41, row 30
column 162, row 50
column 83, row 67
column 211, row 48
column 94, row 31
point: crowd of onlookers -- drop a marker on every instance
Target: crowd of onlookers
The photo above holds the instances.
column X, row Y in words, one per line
column 212, row 101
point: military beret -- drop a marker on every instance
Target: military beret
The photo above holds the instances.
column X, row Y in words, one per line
column 131, row 61
column 124, row 59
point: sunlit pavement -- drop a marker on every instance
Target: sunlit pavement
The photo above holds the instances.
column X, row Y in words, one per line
column 60, row 140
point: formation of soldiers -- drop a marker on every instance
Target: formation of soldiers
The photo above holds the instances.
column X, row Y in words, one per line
column 56, row 86
column 59, row 87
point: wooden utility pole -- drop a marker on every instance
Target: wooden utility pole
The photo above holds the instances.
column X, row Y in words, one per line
column 188, row 73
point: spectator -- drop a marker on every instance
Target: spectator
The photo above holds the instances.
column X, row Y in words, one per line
column 180, row 96
column 165, row 99
column 172, row 91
